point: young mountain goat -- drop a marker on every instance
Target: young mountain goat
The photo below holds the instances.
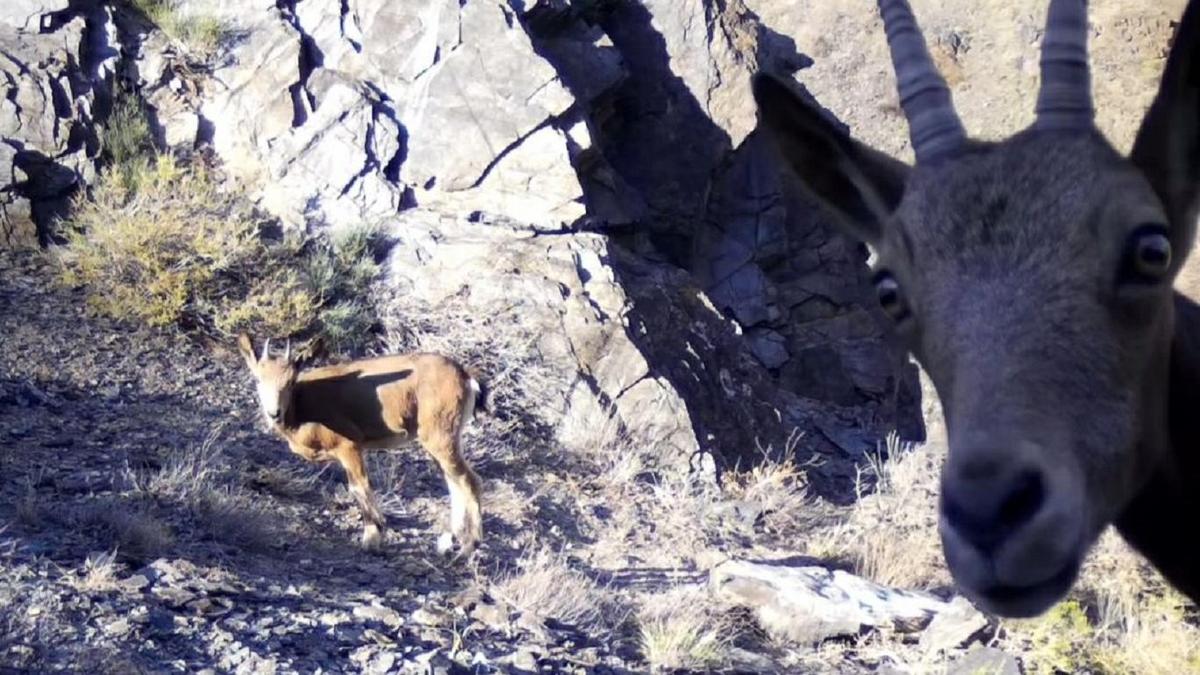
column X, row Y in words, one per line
column 334, row 413
column 1032, row 279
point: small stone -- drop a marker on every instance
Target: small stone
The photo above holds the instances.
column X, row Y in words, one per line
column 384, row 615
column 332, row 619
column 382, row 663
column 468, row 599
column 172, row 596
column 985, row 661
column 118, row 628
column 492, row 616
column 748, row 661
column 211, row 606
column 135, row 582
column 426, row 617
column 525, row 660
column 953, row 627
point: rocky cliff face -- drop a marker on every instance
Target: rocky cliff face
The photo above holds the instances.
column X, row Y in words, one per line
column 590, row 167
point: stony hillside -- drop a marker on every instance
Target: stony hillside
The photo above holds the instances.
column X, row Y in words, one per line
column 688, row 466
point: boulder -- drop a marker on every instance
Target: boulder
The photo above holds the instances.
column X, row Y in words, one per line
column 811, row 604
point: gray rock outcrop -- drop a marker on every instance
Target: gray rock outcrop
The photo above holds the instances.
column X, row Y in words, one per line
column 55, row 64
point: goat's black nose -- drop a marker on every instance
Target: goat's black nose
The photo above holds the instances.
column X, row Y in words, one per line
column 987, row 507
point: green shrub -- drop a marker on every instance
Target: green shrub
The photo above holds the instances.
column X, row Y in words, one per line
column 161, row 243
column 201, row 34
column 127, row 138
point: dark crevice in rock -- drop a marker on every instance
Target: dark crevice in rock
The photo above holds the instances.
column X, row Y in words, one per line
column 344, row 17
column 78, row 91
column 299, row 107
column 384, row 106
column 503, row 152
column 311, row 58
column 204, row 130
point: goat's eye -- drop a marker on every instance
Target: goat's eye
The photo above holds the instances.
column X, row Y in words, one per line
column 890, row 297
column 1147, row 255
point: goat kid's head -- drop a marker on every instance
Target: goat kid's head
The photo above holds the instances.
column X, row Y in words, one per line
column 1032, row 280
column 274, row 378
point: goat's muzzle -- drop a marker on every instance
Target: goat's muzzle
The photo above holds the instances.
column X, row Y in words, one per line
column 1013, row 527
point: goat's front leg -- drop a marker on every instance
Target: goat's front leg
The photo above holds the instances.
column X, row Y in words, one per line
column 350, row 456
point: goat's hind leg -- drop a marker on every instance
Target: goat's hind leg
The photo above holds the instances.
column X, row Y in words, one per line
column 350, row 456
column 466, row 518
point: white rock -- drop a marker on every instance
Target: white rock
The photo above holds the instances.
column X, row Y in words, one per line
column 811, row 604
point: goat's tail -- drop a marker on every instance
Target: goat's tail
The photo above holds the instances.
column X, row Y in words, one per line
column 481, row 393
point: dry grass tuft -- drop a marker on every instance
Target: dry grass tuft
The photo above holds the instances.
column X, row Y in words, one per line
column 201, row 481
column 290, row 481
column 133, row 531
column 201, row 34
column 891, row 536
column 187, row 476
column 231, row 516
column 99, row 573
column 1158, row 639
column 546, row 586
column 683, row 629
column 29, row 511
column 776, row 486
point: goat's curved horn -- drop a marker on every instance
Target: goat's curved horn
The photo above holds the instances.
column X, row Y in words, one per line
column 266, row 350
column 1065, row 98
column 287, row 350
column 933, row 125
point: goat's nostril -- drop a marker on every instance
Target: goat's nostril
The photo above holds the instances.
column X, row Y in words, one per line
column 986, row 511
column 1025, row 497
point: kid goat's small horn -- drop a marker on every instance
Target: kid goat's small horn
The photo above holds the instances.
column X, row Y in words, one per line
column 933, row 125
column 287, row 350
column 266, row 350
column 1065, row 98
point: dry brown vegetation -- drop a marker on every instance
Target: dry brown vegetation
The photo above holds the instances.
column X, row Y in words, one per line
column 165, row 241
column 200, row 34
column 683, row 628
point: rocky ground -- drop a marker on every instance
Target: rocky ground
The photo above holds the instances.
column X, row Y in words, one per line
column 227, row 551
column 151, row 525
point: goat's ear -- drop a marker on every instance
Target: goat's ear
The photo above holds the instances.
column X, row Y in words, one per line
column 246, row 349
column 859, row 185
column 1167, row 148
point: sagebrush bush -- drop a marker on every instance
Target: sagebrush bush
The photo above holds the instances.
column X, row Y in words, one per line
column 162, row 243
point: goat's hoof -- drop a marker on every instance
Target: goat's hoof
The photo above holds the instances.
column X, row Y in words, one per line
column 454, row 548
column 445, row 544
column 372, row 538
